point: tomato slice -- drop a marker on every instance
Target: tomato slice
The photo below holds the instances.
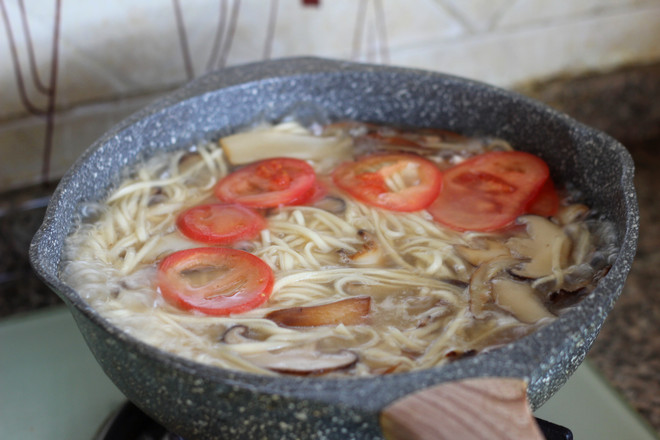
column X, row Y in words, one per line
column 318, row 191
column 267, row 183
column 488, row 191
column 546, row 203
column 220, row 224
column 419, row 178
column 214, row 281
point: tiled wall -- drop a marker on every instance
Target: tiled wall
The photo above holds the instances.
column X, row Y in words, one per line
column 71, row 68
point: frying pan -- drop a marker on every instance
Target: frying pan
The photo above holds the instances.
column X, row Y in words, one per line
column 199, row 401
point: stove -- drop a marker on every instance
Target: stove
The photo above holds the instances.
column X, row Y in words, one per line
column 52, row 388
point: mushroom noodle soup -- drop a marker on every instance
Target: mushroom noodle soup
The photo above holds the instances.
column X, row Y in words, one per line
column 345, row 249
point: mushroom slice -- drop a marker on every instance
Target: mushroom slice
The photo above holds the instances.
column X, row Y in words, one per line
column 480, row 281
column 188, row 160
column 487, row 250
column 547, row 247
column 581, row 240
column 303, row 360
column 371, row 254
column 572, row 213
column 264, row 143
column 236, row 334
column 519, row 299
column 578, row 277
column 348, row 311
column 333, row 204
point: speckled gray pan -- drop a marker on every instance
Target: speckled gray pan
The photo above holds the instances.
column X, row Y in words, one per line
column 198, row 401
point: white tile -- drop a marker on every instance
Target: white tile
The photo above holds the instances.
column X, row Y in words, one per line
column 124, row 49
column 341, row 28
column 538, row 12
column 479, row 15
column 22, row 141
column 507, row 58
column 120, row 48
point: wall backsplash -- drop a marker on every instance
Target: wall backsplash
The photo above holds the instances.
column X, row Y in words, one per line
column 72, row 68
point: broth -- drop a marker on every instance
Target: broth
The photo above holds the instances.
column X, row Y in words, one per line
column 385, row 290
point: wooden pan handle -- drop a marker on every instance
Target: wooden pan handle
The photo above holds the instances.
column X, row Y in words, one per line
column 471, row 409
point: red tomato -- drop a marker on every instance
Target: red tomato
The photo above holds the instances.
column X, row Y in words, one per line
column 214, row 281
column 546, row 203
column 315, row 193
column 365, row 180
column 268, row 183
column 488, row 191
column 220, row 224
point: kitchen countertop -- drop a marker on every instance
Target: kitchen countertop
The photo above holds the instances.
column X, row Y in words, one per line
column 624, row 103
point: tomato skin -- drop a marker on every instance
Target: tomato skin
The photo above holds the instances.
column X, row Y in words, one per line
column 487, row 192
column 268, row 183
column 244, row 281
column 365, row 180
column 220, row 224
column 318, row 191
column 546, row 202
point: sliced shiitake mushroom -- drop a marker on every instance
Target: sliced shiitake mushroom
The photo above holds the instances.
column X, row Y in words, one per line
column 460, row 354
column 491, row 284
column 481, row 282
column 582, row 246
column 572, row 213
column 349, row 311
column 236, row 334
column 302, row 360
column 156, row 196
column 486, row 251
column 189, row 160
column 333, row 204
column 546, row 248
column 519, row 299
column 370, row 254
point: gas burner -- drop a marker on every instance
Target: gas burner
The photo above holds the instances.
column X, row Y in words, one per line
column 552, row 431
column 130, row 423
